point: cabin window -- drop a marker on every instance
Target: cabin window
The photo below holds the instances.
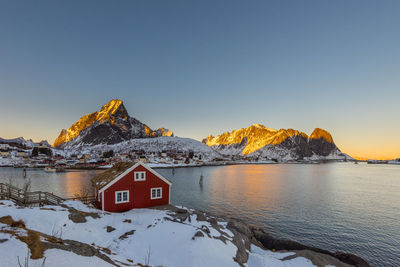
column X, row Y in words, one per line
column 140, row 176
column 121, row 197
column 156, row 193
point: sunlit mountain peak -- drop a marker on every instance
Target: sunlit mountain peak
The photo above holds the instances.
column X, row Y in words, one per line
column 109, row 125
column 319, row 133
column 110, row 109
column 260, row 126
column 258, row 136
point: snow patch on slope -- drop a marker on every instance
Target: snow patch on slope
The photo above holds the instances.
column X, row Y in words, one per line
column 156, row 144
column 167, row 242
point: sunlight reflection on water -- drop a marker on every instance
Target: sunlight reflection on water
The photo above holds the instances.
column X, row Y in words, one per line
column 339, row 206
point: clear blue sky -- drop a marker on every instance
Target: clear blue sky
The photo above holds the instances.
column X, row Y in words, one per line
column 204, row 67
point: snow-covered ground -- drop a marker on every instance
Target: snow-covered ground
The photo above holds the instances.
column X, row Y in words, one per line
column 141, row 236
column 149, row 145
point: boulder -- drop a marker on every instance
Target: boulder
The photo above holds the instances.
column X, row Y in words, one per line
column 110, row 229
column 199, row 234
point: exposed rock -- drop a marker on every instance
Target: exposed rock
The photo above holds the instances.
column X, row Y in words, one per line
column 111, row 125
column 239, row 226
column 351, row 259
column 127, row 234
column 180, row 215
column 213, row 221
column 244, row 236
column 205, row 229
column 321, row 142
column 78, row 216
column 106, row 250
column 110, row 229
column 199, row 234
column 200, row 217
column 318, row 259
column 79, row 249
column 182, row 211
column 3, row 240
column 258, row 141
column 272, row 243
column 38, row 242
column 241, row 256
column 241, row 239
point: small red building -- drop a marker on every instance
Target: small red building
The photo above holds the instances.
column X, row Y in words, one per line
column 127, row 186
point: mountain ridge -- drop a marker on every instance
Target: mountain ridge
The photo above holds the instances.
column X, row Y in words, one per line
column 112, row 124
column 258, row 140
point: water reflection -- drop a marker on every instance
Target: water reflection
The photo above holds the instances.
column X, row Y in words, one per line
column 346, row 207
column 334, row 206
column 65, row 184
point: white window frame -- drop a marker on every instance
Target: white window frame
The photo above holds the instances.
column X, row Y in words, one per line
column 139, row 176
column 122, row 197
column 151, row 193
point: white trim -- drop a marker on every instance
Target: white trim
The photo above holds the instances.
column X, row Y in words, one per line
column 102, row 199
column 139, row 179
column 122, row 197
column 156, row 197
column 131, row 169
column 169, row 195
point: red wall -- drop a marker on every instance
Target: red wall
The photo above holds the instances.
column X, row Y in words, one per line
column 139, row 192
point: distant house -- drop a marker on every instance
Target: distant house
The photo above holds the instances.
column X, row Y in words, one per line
column 162, row 161
column 124, row 156
column 4, row 146
column 127, row 186
column 143, row 159
column 22, row 154
column 5, row 154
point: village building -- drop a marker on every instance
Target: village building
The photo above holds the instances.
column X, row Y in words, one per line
column 162, row 160
column 22, row 154
column 124, row 156
column 143, row 159
column 5, row 154
column 127, row 186
column 4, row 147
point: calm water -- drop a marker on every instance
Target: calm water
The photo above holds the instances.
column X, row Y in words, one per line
column 338, row 206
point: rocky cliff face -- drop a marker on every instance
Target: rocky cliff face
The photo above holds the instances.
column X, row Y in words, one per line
column 111, row 125
column 260, row 141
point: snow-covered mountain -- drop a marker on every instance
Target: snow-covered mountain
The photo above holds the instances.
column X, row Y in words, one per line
column 112, row 128
column 148, row 145
column 284, row 144
column 111, row 125
column 21, row 143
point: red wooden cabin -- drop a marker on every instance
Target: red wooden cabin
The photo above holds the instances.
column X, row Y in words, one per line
column 127, row 186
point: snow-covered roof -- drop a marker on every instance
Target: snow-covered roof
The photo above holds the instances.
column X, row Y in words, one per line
column 102, row 179
column 119, row 170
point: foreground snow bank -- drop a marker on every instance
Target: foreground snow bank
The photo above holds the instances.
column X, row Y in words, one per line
column 152, row 237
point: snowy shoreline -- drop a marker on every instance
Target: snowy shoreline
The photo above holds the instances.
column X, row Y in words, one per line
column 205, row 164
column 228, row 163
column 74, row 233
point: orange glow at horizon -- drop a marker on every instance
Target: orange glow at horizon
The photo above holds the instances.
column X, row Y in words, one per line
column 371, row 152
